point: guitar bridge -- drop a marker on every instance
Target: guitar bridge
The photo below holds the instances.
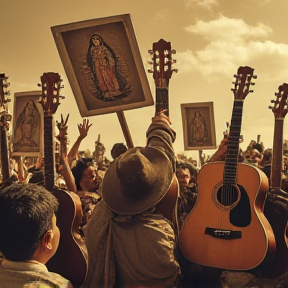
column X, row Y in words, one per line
column 223, row 234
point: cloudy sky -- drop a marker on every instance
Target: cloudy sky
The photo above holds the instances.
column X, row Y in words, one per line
column 212, row 39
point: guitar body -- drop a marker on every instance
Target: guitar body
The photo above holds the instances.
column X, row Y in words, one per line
column 254, row 241
column 70, row 259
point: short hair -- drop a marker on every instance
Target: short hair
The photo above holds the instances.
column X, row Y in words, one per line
column 118, row 149
column 81, row 165
column 26, row 212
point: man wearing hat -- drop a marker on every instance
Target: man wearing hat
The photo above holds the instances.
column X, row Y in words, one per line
column 130, row 243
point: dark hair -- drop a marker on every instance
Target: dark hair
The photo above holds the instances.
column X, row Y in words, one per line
column 79, row 168
column 26, row 212
column 118, row 149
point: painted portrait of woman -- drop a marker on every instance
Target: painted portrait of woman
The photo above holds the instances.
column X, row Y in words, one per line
column 198, row 128
column 26, row 131
column 102, row 61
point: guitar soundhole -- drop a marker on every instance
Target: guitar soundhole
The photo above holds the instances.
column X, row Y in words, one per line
column 237, row 199
column 227, row 195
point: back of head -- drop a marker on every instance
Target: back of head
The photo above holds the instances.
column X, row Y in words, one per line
column 118, row 149
column 26, row 211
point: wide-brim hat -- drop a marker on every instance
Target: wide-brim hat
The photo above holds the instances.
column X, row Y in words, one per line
column 137, row 180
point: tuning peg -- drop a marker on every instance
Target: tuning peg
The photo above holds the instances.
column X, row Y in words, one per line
column 7, row 93
column 272, row 101
column 173, row 51
column 62, row 86
column 149, row 62
column 251, row 91
column 150, row 71
column 39, row 85
column 175, row 70
column 174, row 61
column 233, row 89
column 254, row 76
column 62, row 97
column 270, row 107
column 252, row 83
column 150, row 52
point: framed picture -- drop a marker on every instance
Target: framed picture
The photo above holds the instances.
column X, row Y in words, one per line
column 198, row 126
column 27, row 128
column 102, row 62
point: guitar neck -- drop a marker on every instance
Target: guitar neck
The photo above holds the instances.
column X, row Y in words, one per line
column 231, row 159
column 276, row 167
column 4, row 155
column 49, row 166
column 162, row 100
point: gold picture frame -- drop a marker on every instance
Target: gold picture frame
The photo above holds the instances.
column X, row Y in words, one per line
column 27, row 128
column 198, row 126
column 103, row 65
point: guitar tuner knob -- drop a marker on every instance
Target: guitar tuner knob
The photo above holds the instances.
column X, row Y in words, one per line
column 251, row 91
column 254, row 76
column 39, row 85
column 270, row 107
column 150, row 71
column 272, row 101
column 175, row 70
column 173, row 51
column 150, row 52
column 252, row 83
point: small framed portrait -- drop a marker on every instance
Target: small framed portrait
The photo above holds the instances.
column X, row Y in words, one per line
column 103, row 64
column 27, row 128
column 198, row 126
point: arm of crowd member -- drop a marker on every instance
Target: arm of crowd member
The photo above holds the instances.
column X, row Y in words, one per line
column 220, row 154
column 161, row 135
column 83, row 132
column 64, row 167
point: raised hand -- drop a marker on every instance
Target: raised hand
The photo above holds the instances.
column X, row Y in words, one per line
column 62, row 127
column 84, row 128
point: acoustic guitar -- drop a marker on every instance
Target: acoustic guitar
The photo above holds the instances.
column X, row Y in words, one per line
column 275, row 208
column 5, row 119
column 227, row 228
column 70, row 259
column 162, row 72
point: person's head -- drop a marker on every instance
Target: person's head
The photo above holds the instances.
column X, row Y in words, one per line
column 118, row 149
column 96, row 40
column 85, row 175
column 186, row 173
column 28, row 223
column 183, row 176
column 137, row 180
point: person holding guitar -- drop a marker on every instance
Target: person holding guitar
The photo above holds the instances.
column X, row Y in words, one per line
column 29, row 237
column 129, row 241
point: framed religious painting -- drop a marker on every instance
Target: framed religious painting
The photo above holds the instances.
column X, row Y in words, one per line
column 27, row 128
column 103, row 65
column 198, row 126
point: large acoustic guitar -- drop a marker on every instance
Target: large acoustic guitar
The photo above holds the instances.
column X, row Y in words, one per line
column 227, row 228
column 5, row 118
column 70, row 259
column 162, row 72
column 275, row 208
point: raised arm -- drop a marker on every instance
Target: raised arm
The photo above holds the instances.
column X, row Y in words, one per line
column 64, row 167
column 83, row 132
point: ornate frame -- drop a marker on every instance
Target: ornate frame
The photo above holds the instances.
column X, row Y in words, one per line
column 203, row 136
column 89, row 66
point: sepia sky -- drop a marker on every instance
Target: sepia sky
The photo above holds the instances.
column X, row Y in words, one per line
column 212, row 39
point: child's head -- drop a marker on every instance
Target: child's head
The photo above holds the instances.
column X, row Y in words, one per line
column 27, row 223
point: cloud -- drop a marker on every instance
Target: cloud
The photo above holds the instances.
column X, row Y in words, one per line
column 233, row 42
column 205, row 4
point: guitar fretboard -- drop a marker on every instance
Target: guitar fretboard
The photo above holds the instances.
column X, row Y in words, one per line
column 162, row 100
column 231, row 160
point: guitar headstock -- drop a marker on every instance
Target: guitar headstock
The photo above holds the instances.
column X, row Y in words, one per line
column 280, row 104
column 4, row 92
column 162, row 62
column 242, row 83
column 51, row 85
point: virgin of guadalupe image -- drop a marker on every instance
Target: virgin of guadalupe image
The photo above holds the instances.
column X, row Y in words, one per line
column 198, row 128
column 108, row 82
column 25, row 131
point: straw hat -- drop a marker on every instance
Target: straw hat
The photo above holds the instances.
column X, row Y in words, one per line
column 137, row 180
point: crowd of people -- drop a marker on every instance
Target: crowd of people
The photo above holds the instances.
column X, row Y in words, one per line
column 131, row 211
